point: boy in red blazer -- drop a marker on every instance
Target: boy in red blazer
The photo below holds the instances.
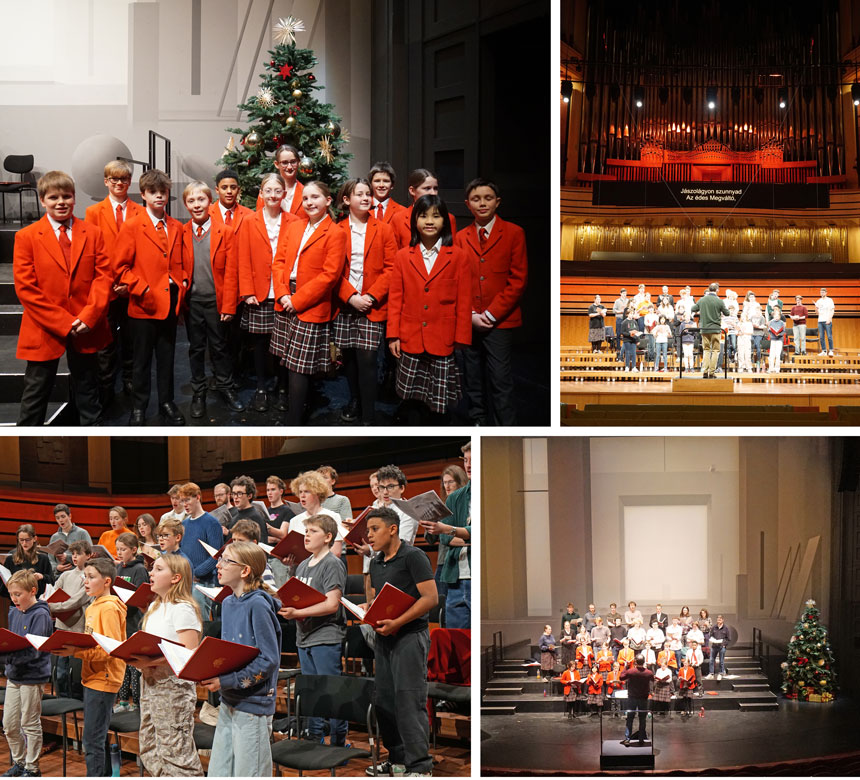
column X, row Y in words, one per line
column 382, row 178
column 209, row 250
column 149, row 261
column 227, row 210
column 62, row 279
column 109, row 215
column 497, row 252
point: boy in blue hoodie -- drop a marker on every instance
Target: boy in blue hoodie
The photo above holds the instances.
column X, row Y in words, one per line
column 242, row 742
column 27, row 671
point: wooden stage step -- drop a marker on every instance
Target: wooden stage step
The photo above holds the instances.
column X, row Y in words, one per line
column 508, row 710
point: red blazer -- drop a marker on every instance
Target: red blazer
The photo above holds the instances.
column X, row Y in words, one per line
column 320, row 267
column 430, row 313
column 222, row 256
column 613, row 682
column 568, row 680
column 687, row 678
column 673, row 663
column 584, row 656
column 141, row 263
column 595, row 684
column 402, row 224
column 255, row 254
column 239, row 215
column 103, row 216
column 499, row 272
column 605, row 660
column 53, row 297
column 295, row 206
column 391, row 211
column 380, row 246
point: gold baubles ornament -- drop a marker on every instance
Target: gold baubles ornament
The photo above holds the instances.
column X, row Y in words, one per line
column 253, row 140
column 291, row 120
column 821, row 662
column 306, row 166
column 333, row 128
column 822, row 682
column 297, row 93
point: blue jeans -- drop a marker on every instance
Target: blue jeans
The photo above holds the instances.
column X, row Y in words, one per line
column 628, row 351
column 825, row 329
column 632, row 706
column 98, row 707
column 662, row 348
column 721, row 651
column 458, row 605
column 242, row 744
column 731, row 345
column 323, row 659
column 756, row 346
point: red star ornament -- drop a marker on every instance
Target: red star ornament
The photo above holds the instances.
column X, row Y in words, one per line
column 286, row 71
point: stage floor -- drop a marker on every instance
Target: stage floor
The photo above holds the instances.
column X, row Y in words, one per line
column 526, row 743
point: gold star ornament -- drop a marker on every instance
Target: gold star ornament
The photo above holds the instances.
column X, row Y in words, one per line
column 285, row 30
column 265, row 97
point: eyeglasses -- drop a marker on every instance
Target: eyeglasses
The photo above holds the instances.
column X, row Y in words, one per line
column 242, row 493
column 123, row 180
column 225, row 559
column 389, row 487
column 163, row 536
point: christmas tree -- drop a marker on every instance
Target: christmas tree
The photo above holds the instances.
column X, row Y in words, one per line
column 284, row 111
column 808, row 674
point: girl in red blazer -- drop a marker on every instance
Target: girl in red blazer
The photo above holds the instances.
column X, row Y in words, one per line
column 287, row 167
column 594, row 686
column 359, row 327
column 258, row 243
column 570, row 680
column 307, row 269
column 429, row 311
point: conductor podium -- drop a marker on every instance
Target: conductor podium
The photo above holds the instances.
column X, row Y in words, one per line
column 614, row 754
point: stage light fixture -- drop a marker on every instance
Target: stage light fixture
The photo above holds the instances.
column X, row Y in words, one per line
column 638, row 96
column 855, row 93
column 782, row 96
column 566, row 90
column 711, row 97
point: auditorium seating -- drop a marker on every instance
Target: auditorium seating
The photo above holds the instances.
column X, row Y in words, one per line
column 654, row 414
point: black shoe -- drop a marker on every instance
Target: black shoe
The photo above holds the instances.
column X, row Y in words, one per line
column 261, row 401
column 283, row 402
column 351, row 411
column 231, row 399
column 625, row 742
column 170, row 414
column 137, row 417
column 198, row 406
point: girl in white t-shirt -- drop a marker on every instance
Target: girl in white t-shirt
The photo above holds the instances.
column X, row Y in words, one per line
column 662, row 334
column 167, row 703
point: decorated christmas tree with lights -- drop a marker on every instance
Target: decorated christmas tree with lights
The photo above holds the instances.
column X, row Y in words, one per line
column 808, row 674
column 284, row 111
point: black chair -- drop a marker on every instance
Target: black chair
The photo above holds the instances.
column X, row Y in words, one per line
column 22, row 164
column 62, row 706
column 437, row 614
column 329, row 696
column 439, row 691
column 355, row 648
column 354, row 586
column 125, row 723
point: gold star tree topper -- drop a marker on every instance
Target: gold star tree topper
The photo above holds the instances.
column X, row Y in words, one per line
column 265, row 97
column 285, row 30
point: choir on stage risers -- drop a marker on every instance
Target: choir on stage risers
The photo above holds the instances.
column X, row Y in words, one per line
column 168, row 556
column 727, row 332
column 310, row 280
column 594, row 651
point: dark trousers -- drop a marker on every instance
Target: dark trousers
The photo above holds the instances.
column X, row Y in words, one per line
column 632, row 706
column 98, row 706
column 488, row 373
column 69, row 683
column 203, row 324
column 401, row 699
column 158, row 336
column 119, row 350
column 39, row 378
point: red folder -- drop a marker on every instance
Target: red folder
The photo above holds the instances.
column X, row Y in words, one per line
column 293, row 543
column 295, row 593
column 390, row 603
column 134, row 597
column 59, row 638
column 358, row 532
column 139, row 643
column 212, row 658
column 57, row 597
column 214, row 594
column 10, row 642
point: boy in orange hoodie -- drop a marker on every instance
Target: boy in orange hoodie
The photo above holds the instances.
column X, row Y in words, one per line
column 101, row 674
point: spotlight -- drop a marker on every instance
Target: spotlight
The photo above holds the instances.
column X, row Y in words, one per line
column 711, row 97
column 566, row 90
column 638, row 96
column 782, row 95
column 855, row 93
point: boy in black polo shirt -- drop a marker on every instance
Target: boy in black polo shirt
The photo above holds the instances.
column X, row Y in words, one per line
column 402, row 645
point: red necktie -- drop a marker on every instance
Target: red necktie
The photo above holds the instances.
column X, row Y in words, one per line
column 162, row 235
column 228, row 217
column 66, row 245
column 380, row 212
column 118, row 217
column 483, row 235
column 200, row 229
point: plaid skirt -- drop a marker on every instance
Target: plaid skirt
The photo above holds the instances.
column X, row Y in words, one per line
column 351, row 330
column 259, row 319
column 595, row 698
column 662, row 692
column 302, row 347
column 429, row 378
column 547, row 661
